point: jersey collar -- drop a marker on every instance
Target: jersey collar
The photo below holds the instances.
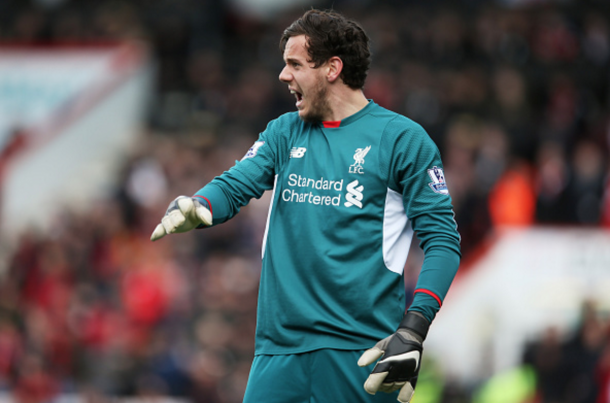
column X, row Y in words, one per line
column 333, row 124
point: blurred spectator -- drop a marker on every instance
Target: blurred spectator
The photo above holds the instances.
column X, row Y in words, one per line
column 602, row 376
column 552, row 180
column 512, row 200
column 585, row 190
column 517, row 385
column 546, row 356
column 572, row 369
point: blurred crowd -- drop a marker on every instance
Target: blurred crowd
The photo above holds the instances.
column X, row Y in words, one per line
column 572, row 366
column 516, row 98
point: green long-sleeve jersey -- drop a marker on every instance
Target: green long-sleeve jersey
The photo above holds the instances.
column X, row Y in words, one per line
column 346, row 201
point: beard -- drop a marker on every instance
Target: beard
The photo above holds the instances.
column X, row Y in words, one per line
column 318, row 105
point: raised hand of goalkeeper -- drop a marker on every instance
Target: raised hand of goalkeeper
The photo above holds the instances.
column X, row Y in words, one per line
column 183, row 214
column 400, row 361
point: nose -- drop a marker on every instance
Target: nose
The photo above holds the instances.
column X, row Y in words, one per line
column 285, row 76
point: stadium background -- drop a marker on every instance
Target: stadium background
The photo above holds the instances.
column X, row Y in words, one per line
column 515, row 94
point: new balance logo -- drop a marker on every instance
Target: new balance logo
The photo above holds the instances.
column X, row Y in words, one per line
column 297, row 152
column 354, row 194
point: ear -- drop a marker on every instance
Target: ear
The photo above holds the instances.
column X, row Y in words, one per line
column 334, row 68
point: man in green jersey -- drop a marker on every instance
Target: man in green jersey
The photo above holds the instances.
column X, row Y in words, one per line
column 351, row 183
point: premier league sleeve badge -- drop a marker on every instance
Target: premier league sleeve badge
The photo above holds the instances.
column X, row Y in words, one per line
column 438, row 183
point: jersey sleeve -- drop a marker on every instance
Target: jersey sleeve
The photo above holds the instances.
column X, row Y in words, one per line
column 247, row 179
column 416, row 171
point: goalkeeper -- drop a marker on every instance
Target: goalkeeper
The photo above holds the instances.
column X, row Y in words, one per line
column 351, row 183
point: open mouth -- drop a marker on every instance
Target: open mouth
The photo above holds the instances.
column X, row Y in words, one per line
column 298, row 96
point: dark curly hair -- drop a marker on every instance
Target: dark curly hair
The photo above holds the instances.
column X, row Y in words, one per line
column 331, row 34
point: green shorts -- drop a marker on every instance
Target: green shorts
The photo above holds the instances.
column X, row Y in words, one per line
column 321, row 376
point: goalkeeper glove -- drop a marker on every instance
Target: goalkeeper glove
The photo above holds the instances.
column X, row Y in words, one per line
column 183, row 214
column 400, row 360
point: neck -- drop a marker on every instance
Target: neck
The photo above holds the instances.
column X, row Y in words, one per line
column 345, row 102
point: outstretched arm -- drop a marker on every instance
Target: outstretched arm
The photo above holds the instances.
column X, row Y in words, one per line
column 227, row 193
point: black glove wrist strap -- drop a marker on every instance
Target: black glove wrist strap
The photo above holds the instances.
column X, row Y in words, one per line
column 416, row 323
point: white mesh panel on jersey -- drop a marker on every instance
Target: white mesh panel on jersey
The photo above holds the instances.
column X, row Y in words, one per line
column 397, row 233
column 264, row 245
